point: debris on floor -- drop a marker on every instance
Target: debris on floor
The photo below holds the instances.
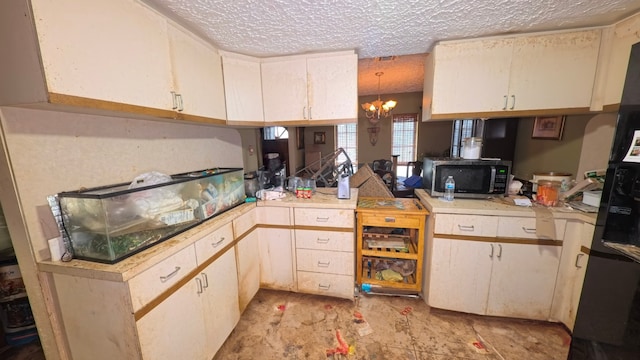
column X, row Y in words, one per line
column 342, row 349
column 478, row 346
column 406, row 311
column 281, row 307
column 362, row 325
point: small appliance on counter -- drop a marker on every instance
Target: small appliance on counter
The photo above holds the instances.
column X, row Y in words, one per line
column 344, row 191
column 480, row 178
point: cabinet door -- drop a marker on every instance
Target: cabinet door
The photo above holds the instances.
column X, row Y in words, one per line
column 554, row 71
column 197, row 75
column 333, row 87
column 580, row 269
column 248, row 259
column 284, row 90
column 175, row 328
column 471, row 76
column 523, row 279
column 220, row 301
column 276, row 259
column 242, row 89
column 460, row 275
column 124, row 58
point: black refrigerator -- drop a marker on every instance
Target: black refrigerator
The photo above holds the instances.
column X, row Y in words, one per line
column 607, row 323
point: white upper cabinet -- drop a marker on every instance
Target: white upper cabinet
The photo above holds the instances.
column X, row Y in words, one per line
column 616, row 43
column 197, row 76
column 113, row 50
column 313, row 87
column 113, row 55
column 242, row 88
column 511, row 76
column 333, row 87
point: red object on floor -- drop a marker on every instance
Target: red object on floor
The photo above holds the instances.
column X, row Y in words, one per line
column 281, row 307
column 406, row 310
column 342, row 349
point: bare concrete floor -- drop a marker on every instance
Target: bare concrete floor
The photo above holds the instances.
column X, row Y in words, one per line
column 284, row 325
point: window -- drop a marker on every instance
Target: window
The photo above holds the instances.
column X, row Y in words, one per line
column 462, row 128
column 403, row 142
column 275, row 132
column 347, row 138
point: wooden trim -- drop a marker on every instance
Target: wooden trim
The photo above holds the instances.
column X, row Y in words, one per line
column 514, row 113
column 200, row 119
column 311, row 122
column 611, row 108
column 269, row 226
column 83, row 102
column 237, row 123
column 586, row 250
column 245, row 234
column 503, row 240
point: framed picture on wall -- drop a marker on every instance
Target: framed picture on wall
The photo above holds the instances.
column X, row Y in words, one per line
column 548, row 127
column 319, row 137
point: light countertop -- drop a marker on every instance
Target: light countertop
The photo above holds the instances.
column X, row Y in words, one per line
column 324, row 197
column 496, row 207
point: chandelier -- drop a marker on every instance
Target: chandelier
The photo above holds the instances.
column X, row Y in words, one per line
column 377, row 109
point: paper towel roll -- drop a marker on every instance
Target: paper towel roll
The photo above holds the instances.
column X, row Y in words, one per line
column 56, row 248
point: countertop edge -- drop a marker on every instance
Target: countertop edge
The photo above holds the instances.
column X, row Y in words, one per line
column 493, row 208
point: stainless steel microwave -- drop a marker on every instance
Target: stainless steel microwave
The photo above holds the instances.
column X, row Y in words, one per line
column 474, row 178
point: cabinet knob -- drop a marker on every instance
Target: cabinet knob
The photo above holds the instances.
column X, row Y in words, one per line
column 578, row 260
column 513, row 104
column 324, row 263
column 491, row 255
column 389, row 219
column 506, row 99
column 217, row 243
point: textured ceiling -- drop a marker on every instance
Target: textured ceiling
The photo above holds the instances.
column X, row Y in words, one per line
column 378, row 28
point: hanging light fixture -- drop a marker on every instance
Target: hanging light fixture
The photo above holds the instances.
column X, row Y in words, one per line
column 377, row 109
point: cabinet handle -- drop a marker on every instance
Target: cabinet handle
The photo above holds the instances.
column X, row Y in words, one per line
column 529, row 230
column 206, row 280
column 491, row 255
column 506, row 99
column 216, row 244
column 513, row 104
column 322, row 219
column 322, row 241
column 578, row 259
column 500, row 252
column 389, row 219
column 199, row 282
column 323, row 264
column 324, row 287
column 174, row 99
column 466, row 227
column 310, row 117
column 170, row 275
column 304, row 113
column 180, row 103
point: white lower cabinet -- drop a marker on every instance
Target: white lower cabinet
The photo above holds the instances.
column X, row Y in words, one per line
column 493, row 278
column 175, row 329
column 219, row 302
column 248, row 269
column 276, row 259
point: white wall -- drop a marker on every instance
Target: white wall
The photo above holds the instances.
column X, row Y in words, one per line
column 46, row 152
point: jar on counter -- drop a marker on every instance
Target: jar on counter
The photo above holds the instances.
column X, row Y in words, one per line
column 471, row 148
column 547, row 192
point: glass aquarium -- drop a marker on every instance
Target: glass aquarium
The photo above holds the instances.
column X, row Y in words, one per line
column 109, row 223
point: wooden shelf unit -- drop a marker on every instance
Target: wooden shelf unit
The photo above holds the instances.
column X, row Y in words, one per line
column 390, row 235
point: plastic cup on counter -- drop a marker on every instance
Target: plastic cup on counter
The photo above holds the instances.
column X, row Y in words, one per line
column 548, row 192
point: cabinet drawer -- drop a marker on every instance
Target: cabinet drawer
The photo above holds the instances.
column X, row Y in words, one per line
column 326, row 284
column 325, row 240
column 472, row 225
column 521, row 227
column 152, row 282
column 213, row 242
column 324, row 217
column 329, row 262
column 244, row 222
column 272, row 215
column 399, row 221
